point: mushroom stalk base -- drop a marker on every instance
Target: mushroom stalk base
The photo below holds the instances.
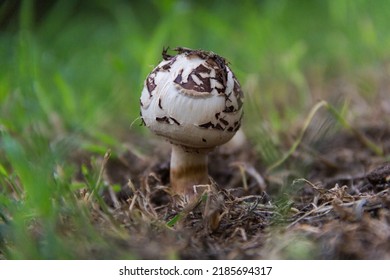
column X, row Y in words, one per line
column 188, row 169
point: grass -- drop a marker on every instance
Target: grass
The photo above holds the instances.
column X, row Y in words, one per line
column 70, row 81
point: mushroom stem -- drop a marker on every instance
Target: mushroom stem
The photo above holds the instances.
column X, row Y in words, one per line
column 188, row 168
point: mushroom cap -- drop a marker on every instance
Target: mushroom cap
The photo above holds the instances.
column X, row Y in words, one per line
column 193, row 99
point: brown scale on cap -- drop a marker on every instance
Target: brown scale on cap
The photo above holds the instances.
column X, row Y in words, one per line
column 150, row 83
column 196, row 81
column 165, row 54
column 238, row 92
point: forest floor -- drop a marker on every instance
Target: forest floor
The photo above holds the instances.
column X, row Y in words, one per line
column 340, row 210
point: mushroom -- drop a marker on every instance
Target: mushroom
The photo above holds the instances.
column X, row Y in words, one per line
column 193, row 100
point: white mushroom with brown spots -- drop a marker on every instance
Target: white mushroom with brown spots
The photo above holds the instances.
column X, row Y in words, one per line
column 193, row 100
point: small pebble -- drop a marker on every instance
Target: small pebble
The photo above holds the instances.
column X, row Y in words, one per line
column 380, row 175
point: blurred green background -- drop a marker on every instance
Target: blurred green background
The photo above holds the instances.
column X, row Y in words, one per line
column 71, row 73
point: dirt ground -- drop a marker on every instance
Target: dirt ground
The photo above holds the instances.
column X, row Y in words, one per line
column 329, row 201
